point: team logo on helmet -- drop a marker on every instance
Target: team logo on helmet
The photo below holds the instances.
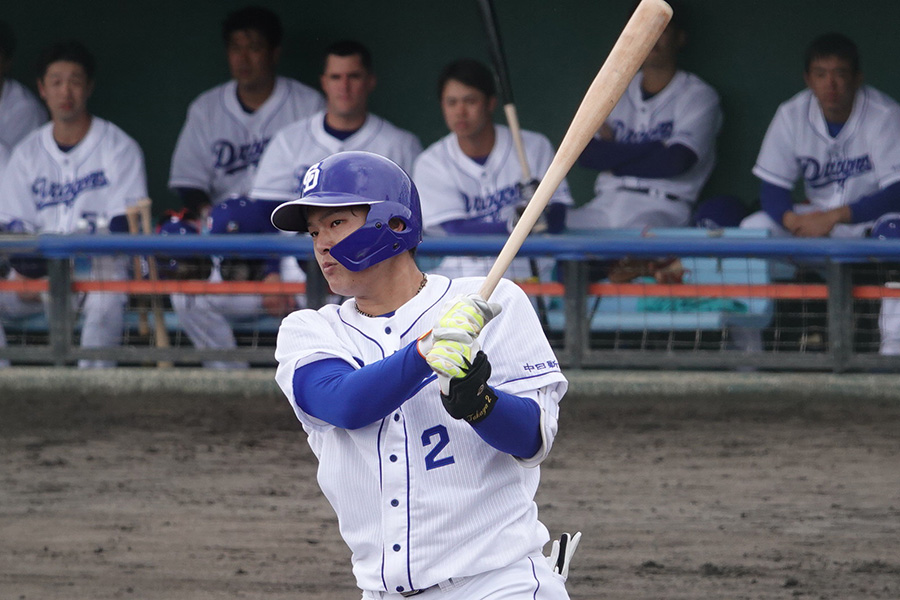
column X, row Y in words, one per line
column 311, row 179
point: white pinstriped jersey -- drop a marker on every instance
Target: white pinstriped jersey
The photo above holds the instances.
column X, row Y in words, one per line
column 302, row 144
column 220, row 144
column 685, row 112
column 51, row 191
column 419, row 495
column 20, row 113
column 863, row 158
column 453, row 186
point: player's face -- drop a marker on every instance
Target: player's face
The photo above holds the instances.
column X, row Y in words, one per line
column 251, row 59
column 328, row 226
column 347, row 85
column 467, row 111
column 834, row 83
column 65, row 88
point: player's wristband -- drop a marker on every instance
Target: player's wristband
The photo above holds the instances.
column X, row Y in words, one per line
column 470, row 397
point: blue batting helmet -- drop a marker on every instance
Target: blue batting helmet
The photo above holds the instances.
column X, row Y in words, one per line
column 719, row 212
column 886, row 227
column 351, row 179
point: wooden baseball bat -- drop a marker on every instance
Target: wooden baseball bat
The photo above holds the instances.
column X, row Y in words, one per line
column 629, row 52
column 498, row 58
column 161, row 335
column 133, row 216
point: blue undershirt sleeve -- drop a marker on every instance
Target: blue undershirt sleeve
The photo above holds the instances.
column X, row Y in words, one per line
column 775, row 201
column 869, row 208
column 335, row 392
column 514, row 426
column 605, row 155
column 652, row 160
column 658, row 161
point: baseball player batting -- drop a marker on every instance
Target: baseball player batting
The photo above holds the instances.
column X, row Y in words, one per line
column 429, row 409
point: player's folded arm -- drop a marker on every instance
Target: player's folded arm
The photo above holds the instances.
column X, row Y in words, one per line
column 659, row 161
column 333, row 391
column 869, row 208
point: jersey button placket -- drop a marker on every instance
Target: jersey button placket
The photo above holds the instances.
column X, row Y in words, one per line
column 394, row 516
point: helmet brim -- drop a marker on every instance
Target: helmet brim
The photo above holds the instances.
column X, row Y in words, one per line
column 290, row 215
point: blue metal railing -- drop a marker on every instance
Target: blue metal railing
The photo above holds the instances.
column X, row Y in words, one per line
column 833, row 256
column 562, row 247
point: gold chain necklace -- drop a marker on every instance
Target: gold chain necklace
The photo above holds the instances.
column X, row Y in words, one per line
column 421, row 287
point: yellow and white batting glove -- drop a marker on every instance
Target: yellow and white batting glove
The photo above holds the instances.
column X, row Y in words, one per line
column 451, row 346
column 464, row 314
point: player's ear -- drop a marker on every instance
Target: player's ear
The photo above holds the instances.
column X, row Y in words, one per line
column 492, row 104
column 397, row 224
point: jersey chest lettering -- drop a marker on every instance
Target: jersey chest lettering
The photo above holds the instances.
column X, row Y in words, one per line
column 232, row 158
column 657, row 133
column 50, row 193
column 836, row 170
column 492, row 204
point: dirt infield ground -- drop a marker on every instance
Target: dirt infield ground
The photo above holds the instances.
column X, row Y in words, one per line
column 187, row 498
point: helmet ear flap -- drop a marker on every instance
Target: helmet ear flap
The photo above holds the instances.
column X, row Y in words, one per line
column 376, row 240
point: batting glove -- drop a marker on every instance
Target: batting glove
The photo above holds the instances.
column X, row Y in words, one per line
column 561, row 553
column 450, row 348
column 465, row 314
column 470, row 397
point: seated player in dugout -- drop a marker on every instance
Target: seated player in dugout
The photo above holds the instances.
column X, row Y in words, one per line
column 841, row 138
column 423, row 403
column 206, row 318
column 655, row 152
column 657, row 149
column 348, row 79
column 471, row 180
column 229, row 126
column 77, row 174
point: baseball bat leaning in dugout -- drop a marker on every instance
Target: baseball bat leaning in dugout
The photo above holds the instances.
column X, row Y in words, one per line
column 498, row 58
column 629, row 52
column 133, row 216
column 161, row 336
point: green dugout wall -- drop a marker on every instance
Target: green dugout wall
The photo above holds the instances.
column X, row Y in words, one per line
column 155, row 57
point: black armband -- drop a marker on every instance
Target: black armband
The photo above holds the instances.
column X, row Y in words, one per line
column 471, row 398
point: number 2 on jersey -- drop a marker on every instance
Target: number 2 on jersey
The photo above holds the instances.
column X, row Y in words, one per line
column 443, row 438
